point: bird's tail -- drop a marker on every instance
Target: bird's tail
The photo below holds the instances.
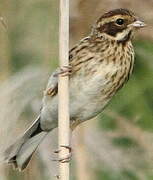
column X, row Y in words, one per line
column 20, row 153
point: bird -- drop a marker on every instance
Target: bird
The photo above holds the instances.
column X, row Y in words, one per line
column 99, row 65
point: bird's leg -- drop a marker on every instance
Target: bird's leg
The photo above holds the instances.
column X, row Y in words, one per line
column 64, row 71
column 53, row 87
column 67, row 158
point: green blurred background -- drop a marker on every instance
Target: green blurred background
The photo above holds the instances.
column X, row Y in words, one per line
column 118, row 145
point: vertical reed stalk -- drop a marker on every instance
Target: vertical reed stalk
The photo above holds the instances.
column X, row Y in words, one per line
column 63, row 89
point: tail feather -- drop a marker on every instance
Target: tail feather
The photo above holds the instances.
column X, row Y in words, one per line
column 20, row 153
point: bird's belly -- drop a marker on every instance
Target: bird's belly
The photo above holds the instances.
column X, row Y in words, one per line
column 84, row 104
column 87, row 100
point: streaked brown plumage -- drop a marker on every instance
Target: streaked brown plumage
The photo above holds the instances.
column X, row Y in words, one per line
column 103, row 52
column 100, row 64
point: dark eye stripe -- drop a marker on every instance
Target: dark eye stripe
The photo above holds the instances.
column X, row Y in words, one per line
column 111, row 29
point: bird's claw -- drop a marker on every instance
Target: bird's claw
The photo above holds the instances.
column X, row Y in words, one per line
column 64, row 71
column 65, row 159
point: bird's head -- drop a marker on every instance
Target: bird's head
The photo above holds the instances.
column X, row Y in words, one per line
column 118, row 24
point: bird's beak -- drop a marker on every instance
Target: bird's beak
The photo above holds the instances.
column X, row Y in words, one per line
column 138, row 24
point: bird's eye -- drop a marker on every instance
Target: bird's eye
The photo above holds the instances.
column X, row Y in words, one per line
column 120, row 21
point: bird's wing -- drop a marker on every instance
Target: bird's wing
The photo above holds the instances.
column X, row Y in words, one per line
column 52, row 86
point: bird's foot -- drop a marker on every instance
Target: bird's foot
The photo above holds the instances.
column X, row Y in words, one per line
column 64, row 71
column 67, row 158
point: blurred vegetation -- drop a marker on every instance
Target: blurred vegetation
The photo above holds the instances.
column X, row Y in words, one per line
column 116, row 146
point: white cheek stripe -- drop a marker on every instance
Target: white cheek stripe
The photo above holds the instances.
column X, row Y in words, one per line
column 121, row 35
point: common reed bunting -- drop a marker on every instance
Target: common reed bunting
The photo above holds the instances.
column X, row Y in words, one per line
column 100, row 64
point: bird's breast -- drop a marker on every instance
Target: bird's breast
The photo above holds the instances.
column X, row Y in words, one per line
column 86, row 97
column 95, row 84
